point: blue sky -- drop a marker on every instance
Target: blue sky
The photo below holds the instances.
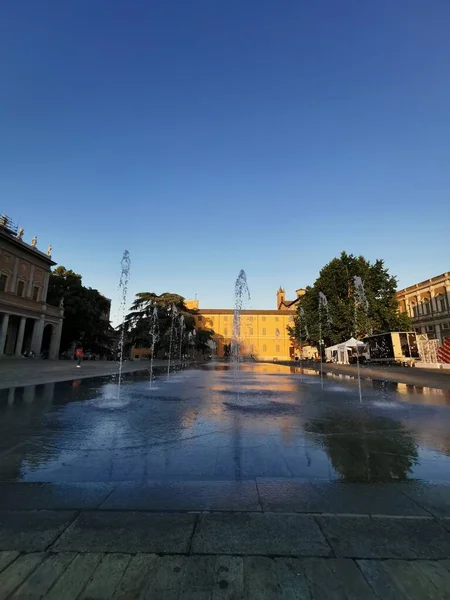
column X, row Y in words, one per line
column 208, row 136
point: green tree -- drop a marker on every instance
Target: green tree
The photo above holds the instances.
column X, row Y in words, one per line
column 84, row 311
column 336, row 281
column 138, row 322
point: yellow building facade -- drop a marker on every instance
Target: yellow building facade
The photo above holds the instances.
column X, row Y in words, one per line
column 428, row 305
column 263, row 333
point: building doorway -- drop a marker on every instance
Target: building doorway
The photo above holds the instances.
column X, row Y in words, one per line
column 46, row 340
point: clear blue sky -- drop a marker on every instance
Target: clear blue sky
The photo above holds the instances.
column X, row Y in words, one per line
column 207, row 136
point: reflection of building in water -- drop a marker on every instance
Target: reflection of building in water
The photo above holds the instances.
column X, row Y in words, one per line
column 263, row 332
column 428, row 304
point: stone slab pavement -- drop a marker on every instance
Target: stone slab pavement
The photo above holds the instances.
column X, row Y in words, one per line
column 25, row 371
column 411, row 375
column 98, row 575
column 92, row 541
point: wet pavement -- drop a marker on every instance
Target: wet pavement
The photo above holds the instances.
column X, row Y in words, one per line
column 203, row 487
column 195, row 426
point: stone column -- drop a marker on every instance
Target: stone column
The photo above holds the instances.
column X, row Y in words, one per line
column 19, row 340
column 38, row 330
column 12, row 287
column 29, row 293
column 3, row 332
column 55, row 341
column 437, row 329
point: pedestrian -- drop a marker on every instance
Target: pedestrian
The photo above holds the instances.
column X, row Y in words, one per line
column 79, row 355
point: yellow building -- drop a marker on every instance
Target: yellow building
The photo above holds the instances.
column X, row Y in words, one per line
column 428, row 304
column 263, row 332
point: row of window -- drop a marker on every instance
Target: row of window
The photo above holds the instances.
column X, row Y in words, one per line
column 20, row 288
column 441, row 306
column 225, row 318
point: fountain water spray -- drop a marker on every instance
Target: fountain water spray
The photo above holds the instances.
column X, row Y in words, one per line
column 174, row 312
column 302, row 325
column 241, row 294
column 123, row 289
column 154, row 332
column 323, row 312
column 182, row 327
column 361, row 306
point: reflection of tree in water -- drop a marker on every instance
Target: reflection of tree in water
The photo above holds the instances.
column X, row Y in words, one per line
column 366, row 448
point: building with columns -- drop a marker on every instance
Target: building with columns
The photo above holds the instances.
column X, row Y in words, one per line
column 27, row 322
column 428, row 304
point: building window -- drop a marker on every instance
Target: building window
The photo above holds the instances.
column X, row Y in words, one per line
column 20, row 288
column 225, row 331
column 250, row 331
column 426, row 307
column 430, row 327
column 415, row 311
column 445, row 325
column 277, row 348
column 442, row 303
column 36, row 294
column 264, row 348
column 264, row 331
column 3, row 282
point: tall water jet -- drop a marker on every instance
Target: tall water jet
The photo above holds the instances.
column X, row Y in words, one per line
column 123, row 293
column 174, row 312
column 361, row 307
column 241, row 295
column 302, row 326
column 182, row 327
column 323, row 314
column 154, row 333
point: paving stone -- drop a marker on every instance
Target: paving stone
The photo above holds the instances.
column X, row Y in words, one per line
column 255, row 534
column 434, row 497
column 322, row 582
column 139, row 571
column 74, row 579
column 17, row 571
column 260, row 578
column 437, row 574
column 297, row 495
column 128, row 532
column 380, row 580
column 51, row 496
column 106, row 578
column 166, row 581
column 292, row 582
column 32, row 530
column 385, row 537
column 42, row 579
column 199, row 578
column 7, row 558
column 351, row 579
column 412, row 581
column 187, row 495
column 228, row 578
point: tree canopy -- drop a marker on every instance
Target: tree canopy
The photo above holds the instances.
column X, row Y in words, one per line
column 84, row 311
column 340, row 320
column 138, row 323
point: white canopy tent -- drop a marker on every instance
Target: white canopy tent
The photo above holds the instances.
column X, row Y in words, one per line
column 340, row 352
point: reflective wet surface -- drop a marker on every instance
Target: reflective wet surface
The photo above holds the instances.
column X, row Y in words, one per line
column 195, row 426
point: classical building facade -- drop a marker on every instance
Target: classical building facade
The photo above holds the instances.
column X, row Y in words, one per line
column 27, row 322
column 263, row 332
column 428, row 304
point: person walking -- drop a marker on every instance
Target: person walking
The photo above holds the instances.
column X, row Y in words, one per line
column 79, row 356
